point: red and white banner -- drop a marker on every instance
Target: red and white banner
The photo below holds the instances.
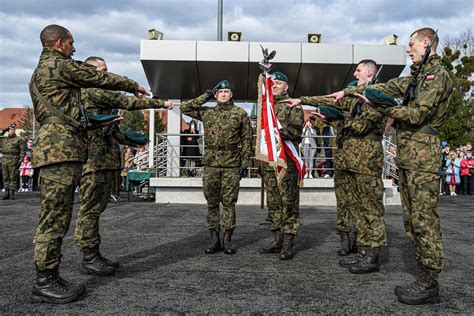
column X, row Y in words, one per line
column 270, row 146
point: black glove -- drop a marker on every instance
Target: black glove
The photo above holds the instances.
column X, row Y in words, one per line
column 208, row 94
column 243, row 173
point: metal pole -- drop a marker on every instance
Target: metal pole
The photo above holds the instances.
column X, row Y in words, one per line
column 219, row 20
column 151, row 136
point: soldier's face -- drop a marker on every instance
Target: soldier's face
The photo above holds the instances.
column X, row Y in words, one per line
column 223, row 95
column 66, row 47
column 416, row 47
column 279, row 87
column 363, row 74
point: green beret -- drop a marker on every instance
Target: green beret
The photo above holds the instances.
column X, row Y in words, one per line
column 224, row 84
column 102, row 118
column 11, row 126
column 379, row 97
column 330, row 113
column 253, row 113
column 280, row 76
column 137, row 138
column 351, row 84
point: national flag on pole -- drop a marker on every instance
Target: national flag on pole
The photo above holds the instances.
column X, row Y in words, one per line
column 270, row 147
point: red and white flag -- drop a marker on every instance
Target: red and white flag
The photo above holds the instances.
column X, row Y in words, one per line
column 270, row 147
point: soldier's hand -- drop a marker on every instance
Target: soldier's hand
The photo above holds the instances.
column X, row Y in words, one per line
column 292, row 102
column 337, row 96
column 208, row 94
column 169, row 105
column 140, row 92
column 363, row 98
column 319, row 115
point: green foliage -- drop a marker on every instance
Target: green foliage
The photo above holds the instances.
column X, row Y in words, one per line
column 133, row 121
column 460, row 62
column 159, row 126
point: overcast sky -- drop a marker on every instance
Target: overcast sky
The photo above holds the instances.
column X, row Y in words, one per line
column 113, row 29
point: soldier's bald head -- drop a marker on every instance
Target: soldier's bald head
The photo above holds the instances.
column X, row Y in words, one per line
column 370, row 64
column 430, row 34
column 50, row 34
column 98, row 62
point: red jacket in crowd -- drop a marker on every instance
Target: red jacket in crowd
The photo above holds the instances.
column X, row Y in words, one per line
column 464, row 166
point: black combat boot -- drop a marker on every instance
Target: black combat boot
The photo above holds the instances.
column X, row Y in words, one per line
column 344, row 250
column 215, row 244
column 12, row 194
column 402, row 289
column 275, row 246
column 7, row 196
column 424, row 290
column 51, row 288
column 94, row 263
column 228, row 249
column 354, row 244
column 287, row 250
column 368, row 263
column 349, row 262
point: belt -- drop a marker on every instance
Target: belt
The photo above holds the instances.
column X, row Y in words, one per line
column 371, row 136
column 223, row 147
column 426, row 129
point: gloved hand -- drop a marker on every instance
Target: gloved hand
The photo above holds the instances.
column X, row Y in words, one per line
column 208, row 94
column 243, row 172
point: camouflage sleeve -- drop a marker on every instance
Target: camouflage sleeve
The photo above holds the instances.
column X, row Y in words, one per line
column 246, row 134
column 317, row 101
column 291, row 129
column 82, row 75
column 366, row 121
column 395, row 87
column 194, row 107
column 110, row 99
column 426, row 102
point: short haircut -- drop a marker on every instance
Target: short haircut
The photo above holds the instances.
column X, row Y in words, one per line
column 370, row 63
column 50, row 34
column 427, row 32
column 92, row 60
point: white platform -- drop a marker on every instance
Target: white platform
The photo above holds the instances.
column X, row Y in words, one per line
column 318, row 192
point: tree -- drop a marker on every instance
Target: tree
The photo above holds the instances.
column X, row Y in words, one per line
column 159, row 126
column 459, row 60
column 26, row 123
column 133, row 121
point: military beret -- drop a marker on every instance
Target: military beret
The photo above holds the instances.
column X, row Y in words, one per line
column 102, row 118
column 379, row 97
column 11, row 126
column 253, row 113
column 330, row 113
column 224, row 84
column 137, row 138
column 280, row 76
column 353, row 83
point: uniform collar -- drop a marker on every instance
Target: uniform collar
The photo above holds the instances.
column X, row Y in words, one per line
column 52, row 52
column 279, row 98
column 434, row 60
column 225, row 106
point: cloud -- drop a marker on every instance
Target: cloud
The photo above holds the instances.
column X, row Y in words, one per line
column 113, row 29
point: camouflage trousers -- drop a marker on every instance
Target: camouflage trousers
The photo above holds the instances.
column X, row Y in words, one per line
column 96, row 188
column 363, row 194
column 221, row 185
column 273, row 194
column 58, row 182
column 11, row 173
column 286, row 217
column 419, row 192
column 343, row 215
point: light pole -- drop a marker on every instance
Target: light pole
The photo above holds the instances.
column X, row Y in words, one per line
column 219, row 19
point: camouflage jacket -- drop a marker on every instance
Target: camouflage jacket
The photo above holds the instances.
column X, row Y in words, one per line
column 359, row 137
column 59, row 81
column 103, row 152
column 12, row 149
column 227, row 132
column 291, row 120
column 419, row 150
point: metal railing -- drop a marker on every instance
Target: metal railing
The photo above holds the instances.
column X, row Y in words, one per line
column 171, row 158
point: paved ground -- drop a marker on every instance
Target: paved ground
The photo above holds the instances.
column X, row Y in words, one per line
column 164, row 269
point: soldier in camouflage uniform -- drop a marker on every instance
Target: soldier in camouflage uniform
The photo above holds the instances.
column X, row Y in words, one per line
column 227, row 134
column 13, row 151
column 103, row 160
column 419, row 160
column 358, row 181
column 283, row 199
column 60, row 150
